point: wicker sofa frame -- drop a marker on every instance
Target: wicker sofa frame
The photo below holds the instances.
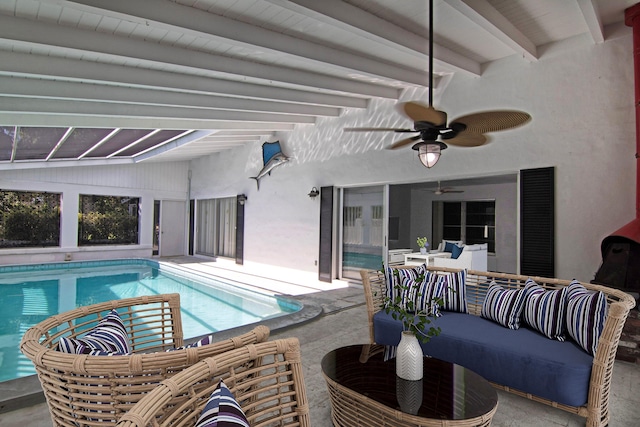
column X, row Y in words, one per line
column 265, row 378
column 83, row 390
column 596, row 411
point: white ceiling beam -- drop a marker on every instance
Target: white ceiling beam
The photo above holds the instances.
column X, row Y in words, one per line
column 57, row 106
column 172, row 16
column 176, row 143
column 59, row 143
column 355, row 20
column 214, row 138
column 16, row 140
column 32, row 65
column 197, row 147
column 133, row 143
column 589, row 9
column 40, row 164
column 19, row 118
column 103, row 141
column 38, row 88
column 487, row 17
column 244, row 133
column 175, row 138
column 27, row 32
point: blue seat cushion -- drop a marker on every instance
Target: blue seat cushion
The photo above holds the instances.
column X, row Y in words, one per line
column 522, row 359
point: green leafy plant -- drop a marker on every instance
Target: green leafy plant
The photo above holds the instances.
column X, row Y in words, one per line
column 422, row 242
column 413, row 320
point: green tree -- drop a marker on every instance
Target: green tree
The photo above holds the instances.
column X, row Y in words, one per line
column 105, row 220
column 29, row 219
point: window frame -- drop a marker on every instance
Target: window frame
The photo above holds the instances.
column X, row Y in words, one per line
column 440, row 225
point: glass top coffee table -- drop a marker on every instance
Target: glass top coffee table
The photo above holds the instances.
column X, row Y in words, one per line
column 365, row 391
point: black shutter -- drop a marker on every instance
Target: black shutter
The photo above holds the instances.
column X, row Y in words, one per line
column 192, row 224
column 325, row 261
column 537, row 217
column 240, row 229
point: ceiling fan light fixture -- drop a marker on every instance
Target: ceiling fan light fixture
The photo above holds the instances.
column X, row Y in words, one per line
column 429, row 153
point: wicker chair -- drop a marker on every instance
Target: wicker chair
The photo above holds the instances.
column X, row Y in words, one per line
column 265, row 378
column 83, row 390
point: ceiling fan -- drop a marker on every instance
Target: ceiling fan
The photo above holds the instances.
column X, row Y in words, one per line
column 443, row 190
column 432, row 128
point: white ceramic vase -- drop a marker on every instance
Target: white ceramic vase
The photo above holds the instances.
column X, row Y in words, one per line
column 409, row 357
column 423, row 250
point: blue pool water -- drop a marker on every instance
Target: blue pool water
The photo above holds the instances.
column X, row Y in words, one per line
column 358, row 260
column 29, row 294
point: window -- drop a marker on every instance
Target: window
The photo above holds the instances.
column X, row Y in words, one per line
column 376, row 236
column 108, row 220
column 452, row 221
column 480, row 224
column 472, row 222
column 29, row 219
column 353, row 226
column 216, row 227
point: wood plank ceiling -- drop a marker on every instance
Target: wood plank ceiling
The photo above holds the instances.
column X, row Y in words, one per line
column 160, row 80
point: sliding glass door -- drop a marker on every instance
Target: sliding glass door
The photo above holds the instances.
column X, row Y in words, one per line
column 363, row 230
column 216, row 227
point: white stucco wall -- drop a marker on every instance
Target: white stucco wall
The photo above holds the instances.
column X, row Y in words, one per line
column 580, row 96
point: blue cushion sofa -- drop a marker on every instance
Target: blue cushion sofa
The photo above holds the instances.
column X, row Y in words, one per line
column 523, row 361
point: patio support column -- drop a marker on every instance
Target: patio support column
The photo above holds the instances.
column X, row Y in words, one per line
column 69, row 221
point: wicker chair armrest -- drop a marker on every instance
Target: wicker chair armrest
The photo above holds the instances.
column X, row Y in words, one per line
column 265, row 378
column 373, row 283
column 601, row 371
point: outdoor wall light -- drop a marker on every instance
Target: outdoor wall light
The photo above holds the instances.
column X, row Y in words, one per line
column 314, row 193
column 429, row 152
column 242, row 199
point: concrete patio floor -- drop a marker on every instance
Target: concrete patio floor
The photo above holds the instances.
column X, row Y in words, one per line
column 344, row 322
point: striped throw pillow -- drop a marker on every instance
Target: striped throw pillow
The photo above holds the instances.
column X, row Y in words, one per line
column 222, row 410
column 454, row 296
column 544, row 310
column 586, row 314
column 106, row 353
column 109, row 336
column 394, row 277
column 202, row 341
column 423, row 293
column 503, row 306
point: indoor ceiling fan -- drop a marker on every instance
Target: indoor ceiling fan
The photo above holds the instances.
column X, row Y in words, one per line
column 432, row 128
column 443, row 190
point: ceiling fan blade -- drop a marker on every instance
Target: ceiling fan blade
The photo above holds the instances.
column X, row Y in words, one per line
column 492, row 121
column 377, row 130
column 419, row 112
column 442, row 190
column 403, row 142
column 468, row 139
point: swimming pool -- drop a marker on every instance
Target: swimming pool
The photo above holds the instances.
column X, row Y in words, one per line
column 359, row 260
column 31, row 293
